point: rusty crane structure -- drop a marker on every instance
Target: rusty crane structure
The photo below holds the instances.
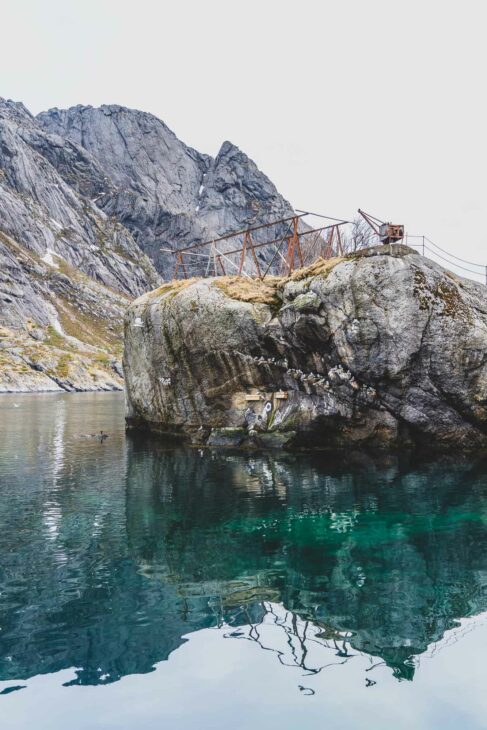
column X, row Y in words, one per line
column 385, row 232
column 284, row 245
column 252, row 252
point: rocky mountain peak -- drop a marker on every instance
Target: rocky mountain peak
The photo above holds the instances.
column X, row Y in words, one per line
column 87, row 197
column 166, row 193
column 136, row 149
column 237, row 181
column 14, row 110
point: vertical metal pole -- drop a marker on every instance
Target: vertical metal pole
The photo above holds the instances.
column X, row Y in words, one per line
column 177, row 266
column 292, row 246
column 183, row 266
column 328, row 250
column 300, row 254
column 221, row 264
column 290, row 254
column 296, row 241
column 256, row 261
column 486, row 276
column 423, row 245
column 339, row 239
column 242, row 256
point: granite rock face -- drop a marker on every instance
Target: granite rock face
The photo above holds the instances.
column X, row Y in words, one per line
column 59, row 329
column 85, row 194
column 166, row 193
column 46, row 185
column 67, row 271
column 381, row 349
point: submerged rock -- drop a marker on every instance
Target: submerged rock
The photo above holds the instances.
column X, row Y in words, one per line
column 384, row 349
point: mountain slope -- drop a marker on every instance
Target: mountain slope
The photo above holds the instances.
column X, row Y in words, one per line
column 88, row 197
column 167, row 194
column 67, row 271
column 42, row 211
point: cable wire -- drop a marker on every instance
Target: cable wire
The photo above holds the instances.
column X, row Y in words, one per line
column 470, row 271
column 452, row 255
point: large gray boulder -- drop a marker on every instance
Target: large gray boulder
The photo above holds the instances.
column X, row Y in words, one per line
column 382, row 349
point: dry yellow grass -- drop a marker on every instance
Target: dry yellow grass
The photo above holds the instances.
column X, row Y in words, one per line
column 250, row 290
column 320, row 266
column 87, row 327
column 265, row 292
column 245, row 289
column 172, row 287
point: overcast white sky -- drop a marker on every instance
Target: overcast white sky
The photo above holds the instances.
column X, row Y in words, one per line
column 345, row 104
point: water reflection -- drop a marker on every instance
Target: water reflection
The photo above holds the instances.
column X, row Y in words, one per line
column 114, row 553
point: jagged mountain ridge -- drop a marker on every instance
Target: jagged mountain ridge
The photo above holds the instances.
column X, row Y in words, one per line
column 166, row 193
column 87, row 198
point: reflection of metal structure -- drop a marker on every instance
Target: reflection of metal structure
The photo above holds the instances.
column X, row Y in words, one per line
column 296, row 641
column 285, row 251
column 386, row 232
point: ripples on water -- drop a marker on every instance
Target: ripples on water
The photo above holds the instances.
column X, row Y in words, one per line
column 142, row 585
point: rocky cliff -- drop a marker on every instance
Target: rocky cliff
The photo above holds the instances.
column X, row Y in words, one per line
column 87, row 199
column 165, row 193
column 377, row 349
column 67, row 270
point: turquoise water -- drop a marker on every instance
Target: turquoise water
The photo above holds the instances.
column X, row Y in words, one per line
column 142, row 586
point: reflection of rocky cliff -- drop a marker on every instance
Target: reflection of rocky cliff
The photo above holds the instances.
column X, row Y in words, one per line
column 385, row 554
column 114, row 568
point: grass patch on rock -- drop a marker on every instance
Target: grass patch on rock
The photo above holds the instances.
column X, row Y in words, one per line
column 266, row 291
column 317, row 268
column 255, row 291
column 62, row 367
column 88, row 328
column 54, row 339
column 171, row 287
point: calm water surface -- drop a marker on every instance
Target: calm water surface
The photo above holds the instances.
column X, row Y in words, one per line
column 146, row 587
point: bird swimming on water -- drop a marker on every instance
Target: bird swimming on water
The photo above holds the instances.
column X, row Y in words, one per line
column 96, row 436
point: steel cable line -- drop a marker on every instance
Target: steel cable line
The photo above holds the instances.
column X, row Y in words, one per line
column 452, row 255
column 452, row 263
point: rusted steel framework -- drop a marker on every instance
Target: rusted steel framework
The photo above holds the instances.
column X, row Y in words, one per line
column 293, row 249
column 386, row 232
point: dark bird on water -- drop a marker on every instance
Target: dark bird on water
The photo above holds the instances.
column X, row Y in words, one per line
column 96, row 436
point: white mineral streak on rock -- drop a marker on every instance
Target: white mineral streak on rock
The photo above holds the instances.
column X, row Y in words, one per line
column 49, row 259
